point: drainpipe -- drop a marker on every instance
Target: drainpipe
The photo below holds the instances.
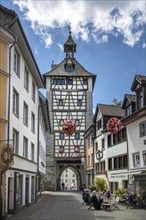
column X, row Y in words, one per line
column 9, row 91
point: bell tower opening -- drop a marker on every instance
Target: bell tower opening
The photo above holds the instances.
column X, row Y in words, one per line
column 70, row 45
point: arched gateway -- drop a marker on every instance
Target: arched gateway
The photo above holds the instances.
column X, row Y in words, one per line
column 75, row 169
column 69, row 93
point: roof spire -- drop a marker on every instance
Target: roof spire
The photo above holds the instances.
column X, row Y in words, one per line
column 69, row 28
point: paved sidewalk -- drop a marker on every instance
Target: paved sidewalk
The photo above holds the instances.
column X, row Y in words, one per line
column 68, row 206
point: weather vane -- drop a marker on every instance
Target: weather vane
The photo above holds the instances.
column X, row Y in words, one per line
column 69, row 28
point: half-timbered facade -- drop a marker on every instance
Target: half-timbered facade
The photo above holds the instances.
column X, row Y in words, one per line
column 69, row 92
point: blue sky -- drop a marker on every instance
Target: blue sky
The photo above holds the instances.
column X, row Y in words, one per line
column 110, row 37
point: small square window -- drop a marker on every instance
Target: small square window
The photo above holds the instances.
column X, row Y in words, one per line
column 77, row 122
column 85, row 81
column 79, row 102
column 60, row 102
column 69, row 81
column 61, row 122
column 54, row 82
column 77, row 136
column 61, row 136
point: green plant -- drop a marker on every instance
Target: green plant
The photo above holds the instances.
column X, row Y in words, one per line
column 99, row 184
column 120, row 192
column 92, row 188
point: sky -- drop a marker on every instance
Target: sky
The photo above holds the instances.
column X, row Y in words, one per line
column 110, row 37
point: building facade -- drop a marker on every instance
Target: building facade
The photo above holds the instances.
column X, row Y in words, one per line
column 69, row 92
column 7, row 40
column 135, row 122
column 21, row 176
column 110, row 149
column 89, row 149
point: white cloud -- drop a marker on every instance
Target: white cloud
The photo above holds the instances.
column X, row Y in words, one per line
column 88, row 18
column 103, row 39
column 144, row 45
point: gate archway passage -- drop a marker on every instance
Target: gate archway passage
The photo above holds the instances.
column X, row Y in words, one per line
column 76, row 169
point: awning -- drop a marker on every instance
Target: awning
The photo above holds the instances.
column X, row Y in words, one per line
column 134, row 172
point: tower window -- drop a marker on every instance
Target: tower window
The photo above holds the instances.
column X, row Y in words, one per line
column 61, row 102
column 58, row 81
column 77, row 136
column 61, row 136
column 69, row 68
column 77, row 121
column 79, row 102
column 85, row 81
column 69, row 81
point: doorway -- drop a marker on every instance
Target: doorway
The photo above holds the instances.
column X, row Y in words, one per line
column 27, row 191
column 10, row 195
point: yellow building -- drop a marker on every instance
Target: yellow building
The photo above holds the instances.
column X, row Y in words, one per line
column 6, row 42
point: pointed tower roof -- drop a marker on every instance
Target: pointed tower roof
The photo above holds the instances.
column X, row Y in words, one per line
column 70, row 42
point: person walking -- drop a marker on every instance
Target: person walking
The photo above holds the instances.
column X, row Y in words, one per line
column 63, row 186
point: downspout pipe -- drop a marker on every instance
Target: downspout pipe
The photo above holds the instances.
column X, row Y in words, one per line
column 9, row 91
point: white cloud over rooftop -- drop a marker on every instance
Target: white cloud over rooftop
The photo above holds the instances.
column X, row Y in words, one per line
column 90, row 20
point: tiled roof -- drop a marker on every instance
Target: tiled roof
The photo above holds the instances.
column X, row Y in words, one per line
column 131, row 98
column 139, row 79
column 59, row 70
column 111, row 110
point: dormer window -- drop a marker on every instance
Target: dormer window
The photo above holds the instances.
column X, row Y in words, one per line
column 140, row 103
column 129, row 110
column 69, row 68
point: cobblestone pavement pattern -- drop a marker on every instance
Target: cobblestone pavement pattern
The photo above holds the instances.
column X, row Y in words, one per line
column 68, row 206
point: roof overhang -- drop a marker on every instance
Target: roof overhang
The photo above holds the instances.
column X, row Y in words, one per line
column 6, row 36
column 27, row 53
column 134, row 116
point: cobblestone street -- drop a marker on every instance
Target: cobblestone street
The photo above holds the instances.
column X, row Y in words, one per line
column 68, row 206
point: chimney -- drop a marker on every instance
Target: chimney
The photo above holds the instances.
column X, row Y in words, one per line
column 53, row 65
